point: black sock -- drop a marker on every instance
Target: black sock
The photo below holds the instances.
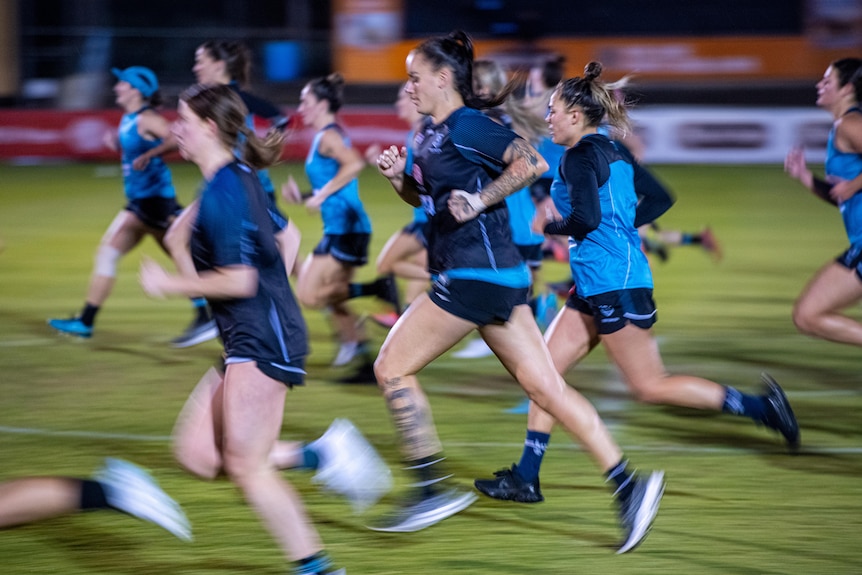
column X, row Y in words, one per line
column 360, row 290
column 88, row 315
column 622, row 479
column 429, row 472
column 93, row 495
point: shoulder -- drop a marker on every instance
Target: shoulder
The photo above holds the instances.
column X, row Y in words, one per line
column 151, row 120
column 332, row 137
column 848, row 130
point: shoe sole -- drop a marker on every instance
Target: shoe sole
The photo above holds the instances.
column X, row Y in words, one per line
column 207, row 335
column 429, row 518
column 646, row 512
column 516, row 499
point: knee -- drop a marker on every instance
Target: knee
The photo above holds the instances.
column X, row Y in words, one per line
column 804, row 320
column 242, row 471
column 196, row 462
column 647, row 392
column 382, row 369
column 106, row 260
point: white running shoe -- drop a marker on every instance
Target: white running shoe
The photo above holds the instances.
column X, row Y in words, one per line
column 350, row 466
column 426, row 511
column 638, row 513
column 132, row 490
column 346, row 352
column 475, row 348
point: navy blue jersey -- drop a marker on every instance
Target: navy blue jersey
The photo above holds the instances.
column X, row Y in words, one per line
column 258, row 107
column 233, row 228
column 465, row 152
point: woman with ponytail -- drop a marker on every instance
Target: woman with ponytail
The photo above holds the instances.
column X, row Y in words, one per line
column 603, row 195
column 464, row 166
column 232, row 420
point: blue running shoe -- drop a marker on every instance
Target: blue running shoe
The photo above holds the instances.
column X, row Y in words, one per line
column 522, row 408
column 72, row 326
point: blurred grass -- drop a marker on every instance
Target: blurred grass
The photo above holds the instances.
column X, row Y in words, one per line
column 736, row 503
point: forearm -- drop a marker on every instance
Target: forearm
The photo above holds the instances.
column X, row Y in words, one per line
column 233, row 282
column 344, row 176
column 407, row 191
column 522, row 172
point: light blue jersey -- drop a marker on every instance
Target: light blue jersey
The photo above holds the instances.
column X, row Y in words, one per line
column 522, row 211
column 152, row 181
column 342, row 212
column 846, row 165
column 608, row 258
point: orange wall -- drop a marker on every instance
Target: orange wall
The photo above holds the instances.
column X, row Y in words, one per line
column 665, row 59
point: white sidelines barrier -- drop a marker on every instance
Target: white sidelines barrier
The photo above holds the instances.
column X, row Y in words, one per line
column 729, row 135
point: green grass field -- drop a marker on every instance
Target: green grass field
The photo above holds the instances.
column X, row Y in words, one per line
column 736, row 503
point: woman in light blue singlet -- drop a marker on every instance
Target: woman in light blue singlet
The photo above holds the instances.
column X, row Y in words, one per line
column 837, row 286
column 325, row 278
column 151, row 204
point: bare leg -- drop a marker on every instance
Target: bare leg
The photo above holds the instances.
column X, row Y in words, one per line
column 197, row 434
column 124, row 233
column 33, row 499
column 636, row 353
column 423, row 334
column 519, row 339
column 253, row 409
column 817, row 312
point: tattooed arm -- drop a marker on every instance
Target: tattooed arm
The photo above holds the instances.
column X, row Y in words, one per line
column 524, row 166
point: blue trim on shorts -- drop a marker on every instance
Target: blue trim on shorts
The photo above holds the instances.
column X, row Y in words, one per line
column 517, row 277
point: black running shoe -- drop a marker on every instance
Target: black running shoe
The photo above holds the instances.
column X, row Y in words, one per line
column 638, row 511
column 779, row 415
column 507, row 485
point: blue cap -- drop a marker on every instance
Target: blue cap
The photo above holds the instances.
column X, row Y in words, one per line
column 142, row 79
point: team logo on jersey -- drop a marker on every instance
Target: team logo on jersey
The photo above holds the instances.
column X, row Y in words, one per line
column 437, row 142
column 428, row 204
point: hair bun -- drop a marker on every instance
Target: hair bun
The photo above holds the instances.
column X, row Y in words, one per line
column 592, row 71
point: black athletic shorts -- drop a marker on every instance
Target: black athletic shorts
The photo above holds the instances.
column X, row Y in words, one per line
column 852, row 260
column 156, row 212
column 350, row 249
column 613, row 310
column 479, row 302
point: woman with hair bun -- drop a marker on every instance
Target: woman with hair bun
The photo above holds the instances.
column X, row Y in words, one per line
column 603, row 196
column 325, row 278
